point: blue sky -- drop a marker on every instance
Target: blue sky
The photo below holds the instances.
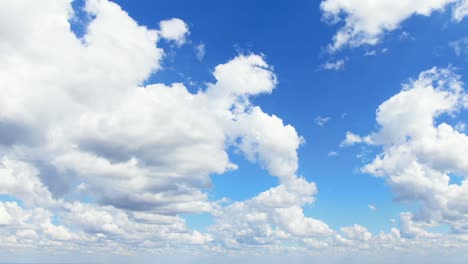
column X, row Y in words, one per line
column 243, row 128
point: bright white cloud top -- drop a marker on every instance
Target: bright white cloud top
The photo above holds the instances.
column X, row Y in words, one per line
column 142, row 153
column 365, row 22
column 96, row 158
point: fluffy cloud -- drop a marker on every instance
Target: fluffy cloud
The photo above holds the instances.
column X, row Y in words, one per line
column 20, row 179
column 365, row 22
column 352, row 139
column 420, row 154
column 89, row 148
column 273, row 217
column 95, row 160
column 175, row 30
column 34, row 228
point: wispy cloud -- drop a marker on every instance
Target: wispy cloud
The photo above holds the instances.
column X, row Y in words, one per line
column 334, row 65
column 200, row 51
column 321, row 121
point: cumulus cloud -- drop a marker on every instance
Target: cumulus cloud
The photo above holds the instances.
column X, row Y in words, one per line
column 352, row 139
column 365, row 22
column 78, row 124
column 271, row 218
column 420, row 155
column 175, row 30
column 96, row 160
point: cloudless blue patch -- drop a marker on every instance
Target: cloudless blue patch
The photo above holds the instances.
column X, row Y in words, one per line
column 456, row 178
column 55, row 219
column 88, row 199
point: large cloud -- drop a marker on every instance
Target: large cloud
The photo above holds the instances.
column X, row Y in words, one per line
column 366, row 21
column 423, row 157
column 116, row 161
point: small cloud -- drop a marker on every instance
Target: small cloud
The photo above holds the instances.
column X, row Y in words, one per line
column 332, row 154
column 174, row 30
column 406, row 35
column 82, row 187
column 393, row 221
column 352, row 139
column 343, row 115
column 375, row 52
column 370, row 53
column 460, row 126
column 200, row 51
column 460, row 47
column 334, row 65
column 321, row 121
column 372, row 207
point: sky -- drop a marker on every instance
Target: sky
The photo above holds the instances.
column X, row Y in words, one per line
column 330, row 131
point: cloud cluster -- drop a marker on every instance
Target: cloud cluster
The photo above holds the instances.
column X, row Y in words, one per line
column 94, row 159
column 98, row 156
column 365, row 22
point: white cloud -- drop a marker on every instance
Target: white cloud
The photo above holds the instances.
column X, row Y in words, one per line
column 370, row 53
column 200, row 51
column 33, row 228
column 265, row 139
column 406, row 35
column 419, row 154
column 140, row 155
column 356, row 232
column 332, row 154
column 20, row 180
column 270, row 218
column 461, row 10
column 334, row 65
column 321, row 121
column 365, row 22
column 460, row 47
column 352, row 139
column 372, row 207
column 175, row 30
